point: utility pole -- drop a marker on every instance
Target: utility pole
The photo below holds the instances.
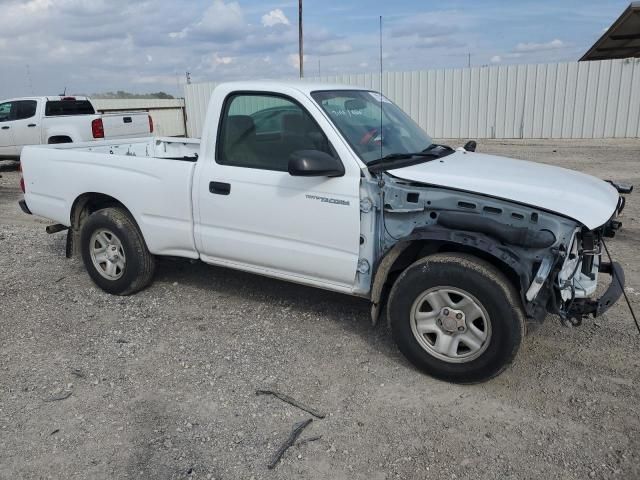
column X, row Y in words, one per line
column 300, row 45
column 188, row 76
column 469, row 60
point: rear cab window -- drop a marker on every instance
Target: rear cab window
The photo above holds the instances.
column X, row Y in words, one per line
column 68, row 107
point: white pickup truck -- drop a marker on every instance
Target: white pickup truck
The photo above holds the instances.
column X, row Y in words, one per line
column 39, row 120
column 336, row 187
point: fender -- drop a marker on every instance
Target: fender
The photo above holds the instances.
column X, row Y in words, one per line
column 503, row 255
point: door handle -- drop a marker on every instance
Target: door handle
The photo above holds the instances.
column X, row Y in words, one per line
column 31, row 125
column 6, row 128
column 219, row 188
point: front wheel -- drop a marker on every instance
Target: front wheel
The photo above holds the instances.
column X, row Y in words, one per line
column 115, row 253
column 456, row 317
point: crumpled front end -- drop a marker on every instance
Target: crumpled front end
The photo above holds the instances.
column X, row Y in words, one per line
column 555, row 261
column 587, row 258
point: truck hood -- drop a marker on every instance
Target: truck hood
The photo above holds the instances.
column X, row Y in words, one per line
column 584, row 198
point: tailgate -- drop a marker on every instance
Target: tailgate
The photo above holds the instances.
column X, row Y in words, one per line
column 123, row 125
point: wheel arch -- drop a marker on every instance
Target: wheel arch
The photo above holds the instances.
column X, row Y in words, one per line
column 83, row 206
column 421, row 244
column 58, row 139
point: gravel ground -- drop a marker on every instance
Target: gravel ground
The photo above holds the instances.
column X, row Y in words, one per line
column 162, row 384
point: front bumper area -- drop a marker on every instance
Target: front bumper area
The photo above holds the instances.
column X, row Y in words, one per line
column 585, row 306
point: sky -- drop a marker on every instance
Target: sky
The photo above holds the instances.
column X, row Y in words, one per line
column 93, row 46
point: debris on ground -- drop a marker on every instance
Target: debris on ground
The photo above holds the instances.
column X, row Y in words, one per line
column 61, row 396
column 293, row 436
column 304, row 441
column 292, row 401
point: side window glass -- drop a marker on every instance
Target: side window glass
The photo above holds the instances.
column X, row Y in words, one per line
column 262, row 131
column 25, row 109
column 5, row 111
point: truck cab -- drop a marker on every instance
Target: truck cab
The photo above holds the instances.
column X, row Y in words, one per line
column 18, row 125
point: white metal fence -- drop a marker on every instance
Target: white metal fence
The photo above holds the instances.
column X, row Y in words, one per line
column 168, row 114
column 558, row 100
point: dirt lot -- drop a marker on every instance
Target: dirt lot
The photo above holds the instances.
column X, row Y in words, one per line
column 163, row 383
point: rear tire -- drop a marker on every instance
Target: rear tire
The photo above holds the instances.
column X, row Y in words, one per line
column 115, row 253
column 456, row 317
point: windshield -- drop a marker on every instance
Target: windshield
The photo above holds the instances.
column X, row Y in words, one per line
column 356, row 113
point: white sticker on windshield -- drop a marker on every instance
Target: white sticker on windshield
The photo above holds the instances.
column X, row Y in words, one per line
column 379, row 98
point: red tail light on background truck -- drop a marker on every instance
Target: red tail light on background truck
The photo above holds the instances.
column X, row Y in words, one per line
column 97, row 128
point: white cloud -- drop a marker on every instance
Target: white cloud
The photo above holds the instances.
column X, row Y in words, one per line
column 536, row 47
column 221, row 21
column 275, row 17
column 218, row 60
column 496, row 59
column 35, row 6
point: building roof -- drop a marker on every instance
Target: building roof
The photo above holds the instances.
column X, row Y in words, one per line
column 621, row 40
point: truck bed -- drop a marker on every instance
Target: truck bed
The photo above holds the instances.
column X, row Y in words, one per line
column 152, row 176
column 157, row 147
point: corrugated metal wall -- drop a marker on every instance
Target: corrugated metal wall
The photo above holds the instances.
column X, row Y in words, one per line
column 196, row 99
column 558, row 100
column 167, row 114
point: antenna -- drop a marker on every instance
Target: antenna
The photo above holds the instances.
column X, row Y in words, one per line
column 381, row 102
column 300, row 40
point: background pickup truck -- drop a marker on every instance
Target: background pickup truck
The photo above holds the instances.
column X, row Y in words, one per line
column 47, row 120
column 336, row 187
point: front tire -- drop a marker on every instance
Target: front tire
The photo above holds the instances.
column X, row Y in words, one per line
column 115, row 253
column 456, row 317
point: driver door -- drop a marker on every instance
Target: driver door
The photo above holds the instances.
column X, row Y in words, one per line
column 254, row 216
column 24, row 125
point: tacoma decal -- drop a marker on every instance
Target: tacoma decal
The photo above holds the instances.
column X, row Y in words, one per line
column 335, row 201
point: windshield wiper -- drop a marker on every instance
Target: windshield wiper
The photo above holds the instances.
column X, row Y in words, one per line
column 432, row 152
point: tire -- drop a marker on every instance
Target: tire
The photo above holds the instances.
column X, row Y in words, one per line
column 469, row 344
column 115, row 253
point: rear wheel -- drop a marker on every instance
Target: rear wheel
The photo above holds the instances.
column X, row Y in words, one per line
column 456, row 317
column 115, row 253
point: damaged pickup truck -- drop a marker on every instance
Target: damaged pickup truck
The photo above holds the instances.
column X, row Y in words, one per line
column 336, row 187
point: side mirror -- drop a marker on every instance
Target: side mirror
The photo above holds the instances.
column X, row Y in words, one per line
column 314, row 163
column 470, row 146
